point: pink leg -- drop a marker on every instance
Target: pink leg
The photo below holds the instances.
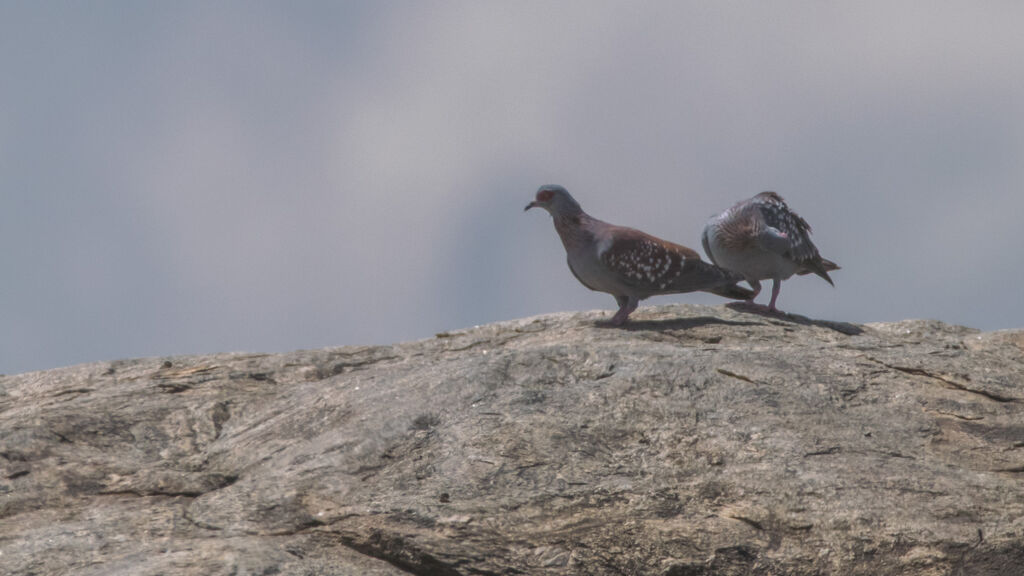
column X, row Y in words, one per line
column 625, row 309
column 619, row 317
column 749, row 303
column 756, row 286
column 776, row 286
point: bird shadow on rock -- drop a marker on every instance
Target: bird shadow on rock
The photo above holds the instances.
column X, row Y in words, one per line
column 759, row 310
column 674, row 323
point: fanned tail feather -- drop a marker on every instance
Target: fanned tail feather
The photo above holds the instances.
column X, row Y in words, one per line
column 821, row 267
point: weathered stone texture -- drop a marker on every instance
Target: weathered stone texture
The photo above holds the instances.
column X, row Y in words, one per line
column 696, row 441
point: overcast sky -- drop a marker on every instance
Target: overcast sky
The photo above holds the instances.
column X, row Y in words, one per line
column 202, row 177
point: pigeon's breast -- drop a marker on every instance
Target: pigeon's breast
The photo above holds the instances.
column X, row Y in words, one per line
column 754, row 263
column 586, row 265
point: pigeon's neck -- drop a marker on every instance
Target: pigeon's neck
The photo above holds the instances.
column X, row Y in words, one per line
column 575, row 229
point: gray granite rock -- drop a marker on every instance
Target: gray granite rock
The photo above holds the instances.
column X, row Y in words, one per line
column 696, row 441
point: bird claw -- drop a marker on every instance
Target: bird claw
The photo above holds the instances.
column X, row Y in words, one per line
column 754, row 307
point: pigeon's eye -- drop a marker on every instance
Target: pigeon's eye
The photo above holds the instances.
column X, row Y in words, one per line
column 545, row 195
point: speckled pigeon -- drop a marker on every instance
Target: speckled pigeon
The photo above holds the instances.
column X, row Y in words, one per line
column 761, row 238
column 626, row 263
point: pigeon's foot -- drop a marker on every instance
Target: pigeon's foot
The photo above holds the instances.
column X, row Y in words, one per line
column 755, row 308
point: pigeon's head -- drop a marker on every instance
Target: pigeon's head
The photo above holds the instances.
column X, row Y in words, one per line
column 556, row 200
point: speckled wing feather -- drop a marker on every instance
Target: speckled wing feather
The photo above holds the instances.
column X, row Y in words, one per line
column 775, row 214
column 653, row 265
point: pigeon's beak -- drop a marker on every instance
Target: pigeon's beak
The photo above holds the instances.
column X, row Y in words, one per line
column 530, row 205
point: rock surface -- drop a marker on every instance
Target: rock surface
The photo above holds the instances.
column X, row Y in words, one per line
column 696, row 441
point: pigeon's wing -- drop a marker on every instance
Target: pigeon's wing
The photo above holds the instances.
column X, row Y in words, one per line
column 706, row 242
column 654, row 266
column 782, row 223
column 785, row 233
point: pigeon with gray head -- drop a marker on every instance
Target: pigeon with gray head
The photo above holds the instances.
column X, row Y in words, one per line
column 761, row 238
column 626, row 263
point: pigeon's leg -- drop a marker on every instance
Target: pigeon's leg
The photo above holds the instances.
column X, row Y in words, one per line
column 776, row 286
column 756, row 286
column 633, row 303
column 626, row 307
column 749, row 303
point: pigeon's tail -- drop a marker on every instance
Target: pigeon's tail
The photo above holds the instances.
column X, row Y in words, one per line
column 706, row 277
column 821, row 267
column 829, row 265
column 733, row 291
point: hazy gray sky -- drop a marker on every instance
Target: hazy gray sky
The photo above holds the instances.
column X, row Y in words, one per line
column 217, row 176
